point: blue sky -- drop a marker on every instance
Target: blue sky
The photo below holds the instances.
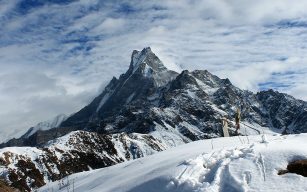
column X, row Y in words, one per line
column 56, row 55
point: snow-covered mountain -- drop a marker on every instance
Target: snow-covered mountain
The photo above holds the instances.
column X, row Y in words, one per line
column 147, row 109
column 222, row 164
column 150, row 97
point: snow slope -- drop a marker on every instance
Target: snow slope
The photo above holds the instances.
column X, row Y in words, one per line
column 222, row 164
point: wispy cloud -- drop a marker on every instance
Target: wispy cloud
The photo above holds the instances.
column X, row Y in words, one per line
column 55, row 56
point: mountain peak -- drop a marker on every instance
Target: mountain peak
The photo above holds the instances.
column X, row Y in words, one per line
column 146, row 59
column 145, row 51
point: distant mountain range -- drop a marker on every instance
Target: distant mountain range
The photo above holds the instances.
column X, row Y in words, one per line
column 146, row 110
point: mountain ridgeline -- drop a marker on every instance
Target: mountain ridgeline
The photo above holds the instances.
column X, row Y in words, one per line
column 150, row 107
column 149, row 95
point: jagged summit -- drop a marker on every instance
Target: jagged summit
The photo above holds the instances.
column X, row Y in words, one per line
column 146, row 74
column 146, row 65
column 146, row 58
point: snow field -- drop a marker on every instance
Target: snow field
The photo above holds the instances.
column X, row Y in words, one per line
column 230, row 166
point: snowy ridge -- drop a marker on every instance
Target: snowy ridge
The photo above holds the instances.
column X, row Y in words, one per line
column 46, row 125
column 59, row 157
column 229, row 166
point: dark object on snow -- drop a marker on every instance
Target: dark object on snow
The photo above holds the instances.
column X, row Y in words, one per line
column 299, row 167
column 134, row 150
column 237, row 119
column 285, row 132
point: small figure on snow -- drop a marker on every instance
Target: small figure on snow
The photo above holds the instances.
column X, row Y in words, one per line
column 237, row 119
column 225, row 126
column 134, row 150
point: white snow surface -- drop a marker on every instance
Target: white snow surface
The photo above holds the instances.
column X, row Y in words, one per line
column 221, row 164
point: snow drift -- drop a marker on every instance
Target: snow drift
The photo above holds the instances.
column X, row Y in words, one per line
column 222, row 164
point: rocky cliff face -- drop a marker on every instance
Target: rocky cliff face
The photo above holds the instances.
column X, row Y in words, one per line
column 148, row 106
column 284, row 111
